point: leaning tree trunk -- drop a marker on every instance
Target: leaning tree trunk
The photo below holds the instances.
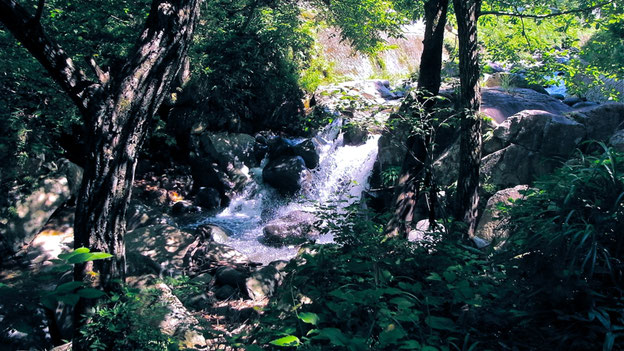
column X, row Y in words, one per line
column 467, row 197
column 413, row 169
column 117, row 111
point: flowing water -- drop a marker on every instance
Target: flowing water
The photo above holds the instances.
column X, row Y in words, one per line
column 340, row 178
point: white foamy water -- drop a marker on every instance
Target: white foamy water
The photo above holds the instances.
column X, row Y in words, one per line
column 340, row 179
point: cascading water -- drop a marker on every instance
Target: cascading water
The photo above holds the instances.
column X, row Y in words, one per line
column 340, row 178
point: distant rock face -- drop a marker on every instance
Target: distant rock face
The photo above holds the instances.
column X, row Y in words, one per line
column 34, row 210
column 491, row 227
column 294, row 228
column 499, row 105
column 403, row 57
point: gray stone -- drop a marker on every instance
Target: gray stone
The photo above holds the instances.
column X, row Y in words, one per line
column 584, row 104
column 229, row 148
column 572, row 100
column 34, row 209
column 177, row 321
column 601, row 121
column 491, row 227
column 541, row 131
column 264, row 282
column 157, row 249
column 424, row 231
column 617, row 140
column 294, row 228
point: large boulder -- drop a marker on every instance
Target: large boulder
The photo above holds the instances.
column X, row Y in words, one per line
column 601, row 121
column 617, row 140
column 222, row 161
column 531, row 142
column 34, row 209
column 157, row 249
column 294, row 228
column 287, row 174
column 541, row 131
column 491, row 227
column 499, row 104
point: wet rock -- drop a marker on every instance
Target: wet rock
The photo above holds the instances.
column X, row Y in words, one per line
column 264, row 282
column 355, row 134
column 157, row 249
column 491, row 227
column 307, row 150
column 499, row 105
column 279, row 147
column 294, row 228
column 287, row 174
column 183, row 207
column 208, row 198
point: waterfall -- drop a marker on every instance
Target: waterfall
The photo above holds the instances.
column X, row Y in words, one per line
column 340, row 178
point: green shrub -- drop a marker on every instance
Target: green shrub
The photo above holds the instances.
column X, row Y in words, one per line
column 128, row 321
column 566, row 245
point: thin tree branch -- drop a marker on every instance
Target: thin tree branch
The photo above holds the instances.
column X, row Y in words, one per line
column 548, row 15
column 59, row 65
column 39, row 13
column 102, row 76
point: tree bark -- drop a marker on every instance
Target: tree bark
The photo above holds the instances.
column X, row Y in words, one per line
column 413, row 170
column 117, row 112
column 467, row 197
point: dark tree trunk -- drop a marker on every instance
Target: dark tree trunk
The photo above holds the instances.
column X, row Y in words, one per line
column 117, row 111
column 467, row 198
column 413, row 169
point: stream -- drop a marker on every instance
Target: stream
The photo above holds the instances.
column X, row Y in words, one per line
column 340, row 179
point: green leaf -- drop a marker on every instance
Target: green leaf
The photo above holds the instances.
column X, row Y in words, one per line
column 88, row 256
column 309, row 317
column 90, row 293
column 67, row 287
column 49, row 302
column 286, row 341
column 70, row 299
column 440, row 323
column 434, row 276
column 334, row 335
column 410, row 345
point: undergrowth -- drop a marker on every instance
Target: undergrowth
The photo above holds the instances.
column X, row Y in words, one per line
column 556, row 284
